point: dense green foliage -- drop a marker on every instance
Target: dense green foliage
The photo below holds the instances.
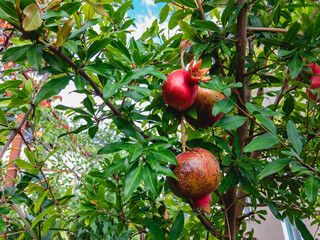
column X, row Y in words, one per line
column 123, row 136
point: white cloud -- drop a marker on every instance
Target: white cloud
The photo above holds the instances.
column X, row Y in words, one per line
column 145, row 21
column 148, row 2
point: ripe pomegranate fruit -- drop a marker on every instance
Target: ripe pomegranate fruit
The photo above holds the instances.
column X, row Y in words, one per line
column 314, row 80
column 203, row 104
column 181, row 89
column 198, row 172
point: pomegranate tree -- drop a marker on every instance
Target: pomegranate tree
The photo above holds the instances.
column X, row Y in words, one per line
column 198, row 172
column 181, row 89
column 203, row 104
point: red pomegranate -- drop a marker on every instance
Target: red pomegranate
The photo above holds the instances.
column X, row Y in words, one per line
column 314, row 80
column 198, row 172
column 203, row 104
column 181, row 89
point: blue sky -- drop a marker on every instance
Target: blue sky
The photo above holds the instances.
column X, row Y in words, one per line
column 145, row 12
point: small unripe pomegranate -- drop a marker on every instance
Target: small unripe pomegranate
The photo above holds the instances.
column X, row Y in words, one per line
column 198, row 172
column 181, row 89
column 203, row 104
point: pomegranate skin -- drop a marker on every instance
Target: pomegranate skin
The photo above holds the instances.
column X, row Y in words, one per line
column 198, row 172
column 315, row 82
column 203, row 104
column 179, row 91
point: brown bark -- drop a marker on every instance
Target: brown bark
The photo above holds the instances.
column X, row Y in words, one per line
column 235, row 210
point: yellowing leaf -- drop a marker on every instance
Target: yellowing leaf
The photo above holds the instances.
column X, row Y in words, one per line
column 98, row 8
column 32, row 20
column 54, row 5
column 63, row 32
column 88, row 11
column 94, row 202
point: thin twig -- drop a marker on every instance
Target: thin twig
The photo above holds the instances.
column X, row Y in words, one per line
column 24, row 220
column 276, row 30
column 17, row 130
column 183, row 132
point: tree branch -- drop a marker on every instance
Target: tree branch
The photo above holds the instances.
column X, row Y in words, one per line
column 276, row 30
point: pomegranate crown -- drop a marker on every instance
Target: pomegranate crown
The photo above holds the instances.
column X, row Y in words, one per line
column 196, row 73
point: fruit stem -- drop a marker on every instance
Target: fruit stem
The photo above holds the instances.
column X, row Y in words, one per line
column 183, row 133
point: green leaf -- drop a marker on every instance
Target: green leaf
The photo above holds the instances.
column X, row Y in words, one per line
column 8, row 8
column 3, row 227
column 311, row 188
column 274, row 42
column 137, row 57
column 164, row 13
column 227, row 12
column 51, row 88
column 104, row 69
column 135, row 150
column 177, row 227
column 224, row 105
column 3, row 117
column 288, row 105
column 116, row 165
column 187, row 3
column 229, row 181
column 97, row 46
column 48, row 223
column 316, row 29
column 57, row 65
column 266, row 122
column 41, row 215
column 132, row 180
column 295, row 65
column 109, row 89
column 93, row 130
column 273, row 209
column 230, row 122
column 226, row 50
column 303, row 229
column 292, row 32
column 34, row 55
column 142, row 72
column 23, row 164
column 39, row 202
column 189, row 31
column 114, row 147
column 15, row 54
column 294, row 136
column 247, row 185
column 84, row 27
column 4, row 210
column 164, row 155
column 119, row 45
column 264, row 141
column 154, row 229
column 205, row 25
column 165, row 171
column 273, row 167
column 150, row 179
column 127, row 128
column 88, row 105
column 32, row 20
